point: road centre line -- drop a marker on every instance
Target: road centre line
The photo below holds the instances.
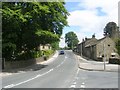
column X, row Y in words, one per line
column 82, row 85
column 39, row 75
column 61, row 62
column 72, row 86
column 74, row 81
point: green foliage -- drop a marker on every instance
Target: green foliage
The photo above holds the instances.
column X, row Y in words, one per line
column 47, row 53
column 47, row 37
column 29, row 55
column 108, row 28
column 71, row 39
column 55, row 45
column 26, row 25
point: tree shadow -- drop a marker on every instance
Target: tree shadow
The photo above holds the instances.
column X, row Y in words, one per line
column 34, row 67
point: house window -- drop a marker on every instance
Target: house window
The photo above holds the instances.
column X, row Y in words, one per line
column 43, row 47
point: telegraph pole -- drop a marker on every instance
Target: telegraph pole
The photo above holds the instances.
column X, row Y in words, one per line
column 81, row 49
column 104, row 59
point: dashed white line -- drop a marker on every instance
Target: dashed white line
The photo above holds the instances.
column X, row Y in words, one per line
column 82, row 85
column 66, row 57
column 74, row 81
column 72, row 86
column 60, row 64
column 78, row 71
column 39, row 75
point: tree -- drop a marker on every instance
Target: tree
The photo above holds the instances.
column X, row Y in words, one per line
column 26, row 25
column 110, row 28
column 71, row 39
column 55, row 45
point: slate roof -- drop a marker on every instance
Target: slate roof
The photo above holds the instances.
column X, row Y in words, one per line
column 90, row 42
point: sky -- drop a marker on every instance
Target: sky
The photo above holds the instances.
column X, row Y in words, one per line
column 88, row 17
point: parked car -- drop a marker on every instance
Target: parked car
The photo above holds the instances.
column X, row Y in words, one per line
column 61, row 52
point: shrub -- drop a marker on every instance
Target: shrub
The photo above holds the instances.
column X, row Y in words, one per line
column 34, row 54
column 47, row 53
column 114, row 61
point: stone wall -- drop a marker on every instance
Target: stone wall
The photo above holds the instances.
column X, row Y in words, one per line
column 21, row 63
column 24, row 63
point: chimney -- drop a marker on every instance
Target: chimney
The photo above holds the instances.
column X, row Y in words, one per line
column 93, row 36
column 85, row 38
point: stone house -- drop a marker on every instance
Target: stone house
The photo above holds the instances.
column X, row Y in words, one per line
column 45, row 47
column 97, row 49
column 104, row 47
column 82, row 47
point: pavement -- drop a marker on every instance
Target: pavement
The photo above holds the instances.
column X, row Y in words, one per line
column 92, row 65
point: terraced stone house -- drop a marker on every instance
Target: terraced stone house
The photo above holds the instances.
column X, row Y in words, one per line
column 98, row 48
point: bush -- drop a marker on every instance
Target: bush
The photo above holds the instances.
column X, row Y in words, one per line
column 34, row 54
column 47, row 53
column 29, row 55
column 114, row 61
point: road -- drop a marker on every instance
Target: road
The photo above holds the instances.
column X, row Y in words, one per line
column 63, row 72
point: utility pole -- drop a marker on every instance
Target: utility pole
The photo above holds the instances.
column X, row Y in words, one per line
column 81, row 49
column 104, row 59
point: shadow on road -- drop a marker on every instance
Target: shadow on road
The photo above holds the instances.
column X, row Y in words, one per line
column 35, row 67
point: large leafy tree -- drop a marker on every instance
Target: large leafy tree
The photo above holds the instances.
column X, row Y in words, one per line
column 108, row 30
column 71, row 39
column 25, row 25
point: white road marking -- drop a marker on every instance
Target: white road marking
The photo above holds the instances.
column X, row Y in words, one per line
column 60, row 64
column 82, row 85
column 74, row 81
column 66, row 57
column 72, row 86
column 78, row 71
column 9, row 86
column 39, row 75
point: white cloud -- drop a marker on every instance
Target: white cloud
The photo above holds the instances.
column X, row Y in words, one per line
column 88, row 19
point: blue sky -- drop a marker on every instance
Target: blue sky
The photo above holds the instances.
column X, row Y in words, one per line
column 88, row 17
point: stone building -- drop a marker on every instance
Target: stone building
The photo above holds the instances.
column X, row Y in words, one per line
column 45, row 47
column 96, row 49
